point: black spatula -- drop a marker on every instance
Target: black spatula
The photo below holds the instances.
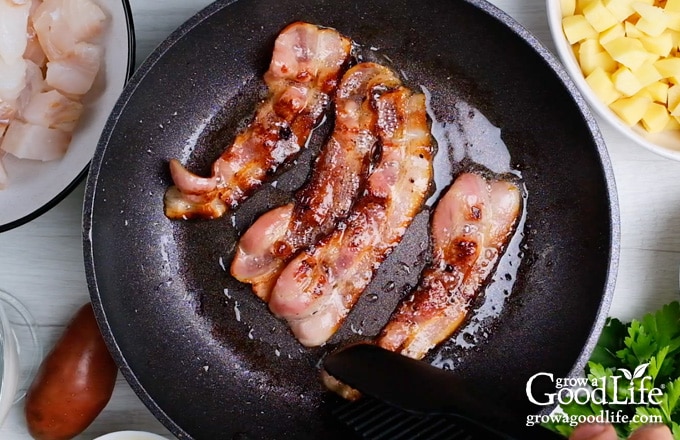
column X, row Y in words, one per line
column 421, row 389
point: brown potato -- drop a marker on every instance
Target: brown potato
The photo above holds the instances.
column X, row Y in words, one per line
column 74, row 382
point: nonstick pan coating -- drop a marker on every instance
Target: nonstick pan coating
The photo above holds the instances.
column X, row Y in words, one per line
column 202, row 352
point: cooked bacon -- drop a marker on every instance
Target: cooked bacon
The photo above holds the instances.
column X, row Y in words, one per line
column 470, row 229
column 304, row 71
column 318, row 288
column 339, row 172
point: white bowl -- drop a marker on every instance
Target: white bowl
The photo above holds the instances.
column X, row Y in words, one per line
column 130, row 435
column 666, row 143
column 36, row 186
column 20, row 351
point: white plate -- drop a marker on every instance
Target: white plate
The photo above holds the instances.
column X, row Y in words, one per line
column 130, row 435
column 36, row 186
column 666, row 143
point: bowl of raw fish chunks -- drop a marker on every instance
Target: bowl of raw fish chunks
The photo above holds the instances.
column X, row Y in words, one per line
column 624, row 57
column 63, row 64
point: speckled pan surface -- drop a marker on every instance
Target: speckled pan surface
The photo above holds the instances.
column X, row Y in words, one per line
column 201, row 350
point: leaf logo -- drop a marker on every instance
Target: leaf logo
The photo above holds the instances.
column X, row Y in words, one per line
column 636, row 374
column 640, row 370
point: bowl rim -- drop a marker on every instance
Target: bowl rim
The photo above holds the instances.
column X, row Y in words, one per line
column 80, row 177
column 564, row 51
column 130, row 434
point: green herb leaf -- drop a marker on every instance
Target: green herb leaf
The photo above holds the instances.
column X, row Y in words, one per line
column 675, row 429
column 665, row 325
column 663, row 367
column 670, row 398
column 630, row 359
column 640, row 345
column 609, row 342
column 644, row 412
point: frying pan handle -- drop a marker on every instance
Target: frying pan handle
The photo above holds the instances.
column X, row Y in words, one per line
column 419, row 388
column 512, row 430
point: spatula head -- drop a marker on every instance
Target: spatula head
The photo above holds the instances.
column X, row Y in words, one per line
column 420, row 388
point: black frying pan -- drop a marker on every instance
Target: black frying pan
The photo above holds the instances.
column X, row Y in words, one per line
column 201, row 351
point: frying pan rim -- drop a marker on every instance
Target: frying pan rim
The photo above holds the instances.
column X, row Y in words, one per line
column 147, row 67
column 88, row 204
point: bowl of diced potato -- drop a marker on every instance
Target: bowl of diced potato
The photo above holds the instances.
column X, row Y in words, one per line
column 624, row 57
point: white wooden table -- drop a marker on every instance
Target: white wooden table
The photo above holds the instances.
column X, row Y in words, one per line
column 42, row 262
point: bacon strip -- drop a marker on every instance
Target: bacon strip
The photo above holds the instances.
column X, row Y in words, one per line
column 470, row 229
column 318, row 288
column 304, row 72
column 340, row 170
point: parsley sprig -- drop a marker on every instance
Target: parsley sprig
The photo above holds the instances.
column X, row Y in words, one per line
column 651, row 344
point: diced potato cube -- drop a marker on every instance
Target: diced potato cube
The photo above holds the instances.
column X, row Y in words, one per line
column 628, row 51
column 673, row 124
column 653, row 21
column 658, row 91
column 603, row 86
column 580, row 5
column 655, row 118
column 590, row 60
column 651, row 58
column 587, row 50
column 599, row 16
column 647, row 74
column 673, row 22
column 672, row 6
column 631, row 30
column 661, row 45
column 651, row 28
column 631, row 109
column 615, row 31
column 675, row 112
column 576, row 28
column 589, row 46
column 568, row 7
column 621, row 9
column 675, row 36
column 673, row 100
column 625, row 82
column 669, row 68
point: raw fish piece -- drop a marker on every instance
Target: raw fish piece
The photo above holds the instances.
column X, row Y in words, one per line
column 30, row 141
column 75, row 72
column 13, row 24
column 54, row 110
column 61, row 24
